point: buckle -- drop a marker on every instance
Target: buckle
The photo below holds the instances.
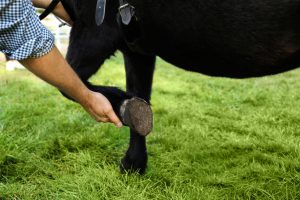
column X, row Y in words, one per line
column 126, row 11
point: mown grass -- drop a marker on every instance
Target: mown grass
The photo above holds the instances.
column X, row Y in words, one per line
column 213, row 138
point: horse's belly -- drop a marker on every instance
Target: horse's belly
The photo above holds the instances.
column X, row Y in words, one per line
column 212, row 65
column 223, row 38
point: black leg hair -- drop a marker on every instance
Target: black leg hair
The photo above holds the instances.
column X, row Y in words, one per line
column 89, row 48
column 139, row 75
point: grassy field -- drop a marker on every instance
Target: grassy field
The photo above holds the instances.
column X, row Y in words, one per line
column 213, row 139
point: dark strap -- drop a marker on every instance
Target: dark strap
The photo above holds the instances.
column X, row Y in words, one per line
column 100, row 11
column 126, row 11
column 49, row 9
column 69, row 10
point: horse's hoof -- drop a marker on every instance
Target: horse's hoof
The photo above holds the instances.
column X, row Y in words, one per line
column 131, row 165
column 137, row 114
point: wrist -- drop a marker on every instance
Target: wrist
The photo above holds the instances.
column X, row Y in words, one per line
column 85, row 98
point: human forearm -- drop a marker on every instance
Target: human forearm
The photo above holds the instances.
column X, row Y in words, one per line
column 54, row 69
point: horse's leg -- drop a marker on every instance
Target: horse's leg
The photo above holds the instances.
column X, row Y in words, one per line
column 139, row 74
column 89, row 48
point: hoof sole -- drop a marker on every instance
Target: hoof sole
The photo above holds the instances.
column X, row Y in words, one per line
column 137, row 114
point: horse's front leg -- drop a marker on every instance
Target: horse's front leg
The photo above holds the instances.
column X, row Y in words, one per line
column 87, row 53
column 139, row 75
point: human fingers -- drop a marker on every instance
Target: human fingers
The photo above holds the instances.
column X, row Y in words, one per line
column 111, row 115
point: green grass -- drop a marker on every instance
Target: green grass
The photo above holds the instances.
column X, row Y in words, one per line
column 213, row 139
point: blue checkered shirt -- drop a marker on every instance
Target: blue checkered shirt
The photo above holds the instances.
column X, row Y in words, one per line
column 21, row 33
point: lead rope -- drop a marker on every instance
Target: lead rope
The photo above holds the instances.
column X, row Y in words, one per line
column 49, row 9
column 62, row 22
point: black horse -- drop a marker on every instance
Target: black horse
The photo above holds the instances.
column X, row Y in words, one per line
column 229, row 38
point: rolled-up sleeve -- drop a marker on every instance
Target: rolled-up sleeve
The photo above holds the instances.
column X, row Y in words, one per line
column 21, row 33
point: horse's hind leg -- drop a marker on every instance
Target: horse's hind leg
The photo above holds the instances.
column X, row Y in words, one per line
column 139, row 75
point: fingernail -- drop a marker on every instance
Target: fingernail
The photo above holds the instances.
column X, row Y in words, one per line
column 119, row 125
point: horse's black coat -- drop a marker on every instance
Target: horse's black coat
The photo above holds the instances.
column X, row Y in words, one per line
column 230, row 38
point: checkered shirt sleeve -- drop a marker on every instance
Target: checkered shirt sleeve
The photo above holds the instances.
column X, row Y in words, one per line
column 21, row 33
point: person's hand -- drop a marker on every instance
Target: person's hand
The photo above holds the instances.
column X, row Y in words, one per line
column 54, row 69
column 100, row 109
